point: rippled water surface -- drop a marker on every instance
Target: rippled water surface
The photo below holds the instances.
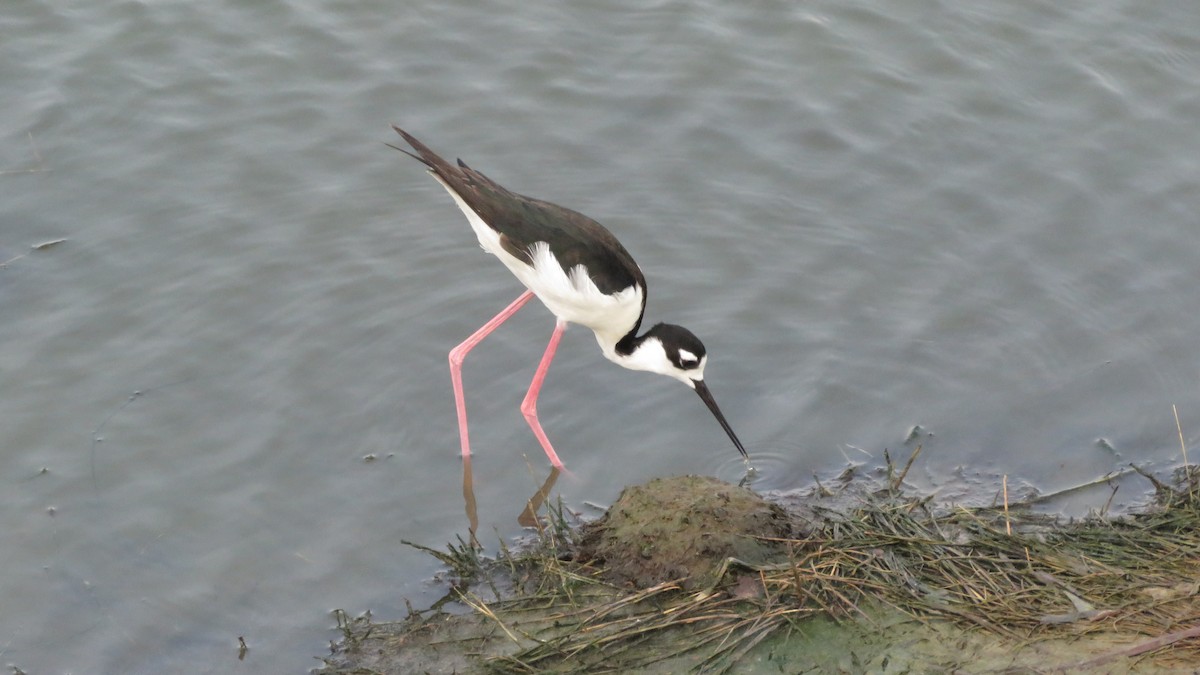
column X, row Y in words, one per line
column 968, row 225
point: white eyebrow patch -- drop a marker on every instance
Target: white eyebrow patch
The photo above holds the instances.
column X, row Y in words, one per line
column 685, row 356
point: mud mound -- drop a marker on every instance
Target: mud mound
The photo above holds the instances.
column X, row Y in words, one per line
column 682, row 528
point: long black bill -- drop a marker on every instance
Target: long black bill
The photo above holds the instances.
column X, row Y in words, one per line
column 707, row 397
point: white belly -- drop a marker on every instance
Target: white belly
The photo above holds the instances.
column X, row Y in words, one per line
column 573, row 296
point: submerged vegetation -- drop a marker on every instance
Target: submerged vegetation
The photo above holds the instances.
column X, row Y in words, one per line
column 983, row 588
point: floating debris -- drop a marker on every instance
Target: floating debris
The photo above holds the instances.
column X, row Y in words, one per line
column 47, row 244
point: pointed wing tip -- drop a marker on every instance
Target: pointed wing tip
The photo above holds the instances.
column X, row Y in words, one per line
column 426, row 156
column 409, row 138
column 420, row 155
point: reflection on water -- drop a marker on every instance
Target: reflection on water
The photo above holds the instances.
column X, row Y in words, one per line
column 528, row 516
column 468, row 490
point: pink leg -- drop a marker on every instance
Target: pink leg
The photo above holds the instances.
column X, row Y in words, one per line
column 529, row 405
column 460, row 352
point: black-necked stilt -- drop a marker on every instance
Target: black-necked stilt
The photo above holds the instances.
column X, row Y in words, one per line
column 580, row 272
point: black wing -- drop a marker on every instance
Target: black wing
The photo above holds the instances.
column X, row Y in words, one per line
column 523, row 221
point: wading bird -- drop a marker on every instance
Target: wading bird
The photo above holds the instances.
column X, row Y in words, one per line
column 580, row 272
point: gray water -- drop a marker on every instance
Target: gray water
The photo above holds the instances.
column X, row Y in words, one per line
column 975, row 222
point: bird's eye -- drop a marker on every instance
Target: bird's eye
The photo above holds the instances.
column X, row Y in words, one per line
column 688, row 359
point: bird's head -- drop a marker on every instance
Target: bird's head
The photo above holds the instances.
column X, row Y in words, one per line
column 675, row 351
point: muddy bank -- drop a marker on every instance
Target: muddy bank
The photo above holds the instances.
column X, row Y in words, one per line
column 692, row 574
